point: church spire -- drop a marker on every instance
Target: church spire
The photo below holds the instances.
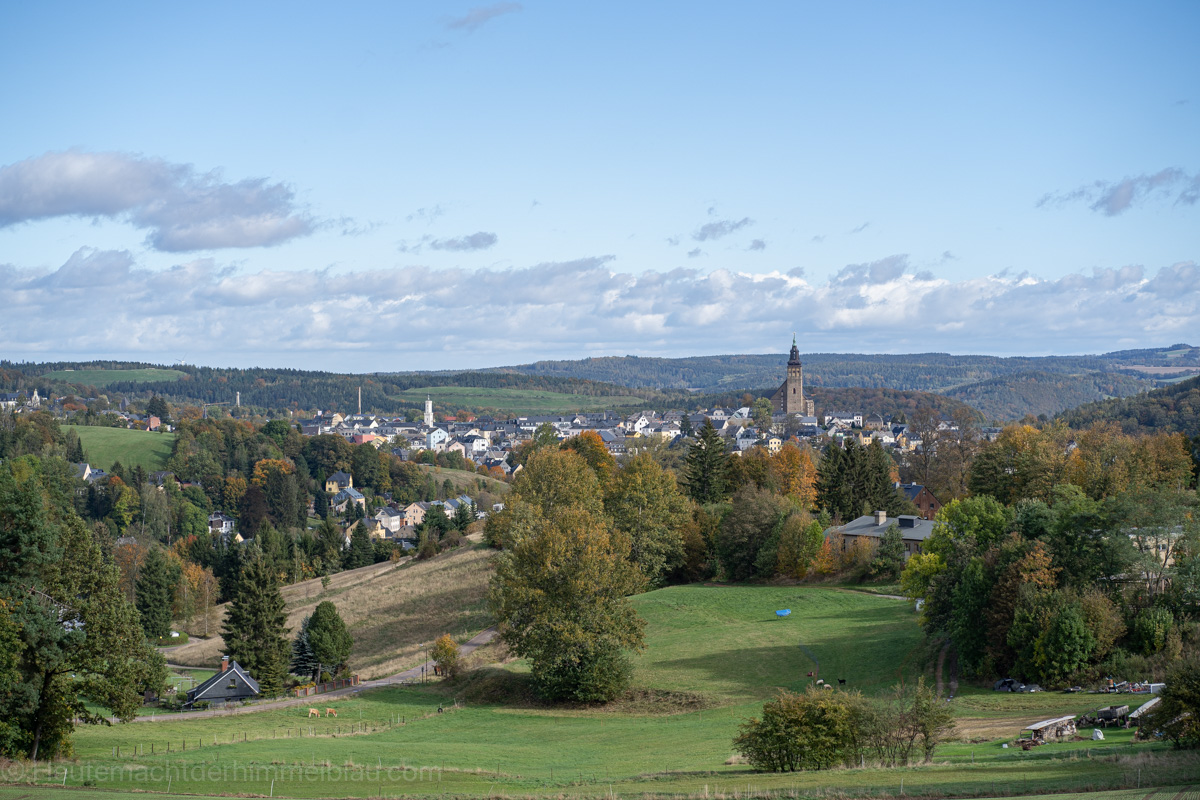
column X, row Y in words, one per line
column 794, row 356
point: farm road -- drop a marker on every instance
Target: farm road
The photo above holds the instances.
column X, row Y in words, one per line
column 476, row 641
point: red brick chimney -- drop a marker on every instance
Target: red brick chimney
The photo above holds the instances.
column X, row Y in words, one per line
column 224, row 663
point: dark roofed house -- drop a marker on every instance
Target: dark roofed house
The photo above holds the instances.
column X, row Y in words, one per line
column 230, row 685
column 922, row 498
column 338, row 481
column 913, row 530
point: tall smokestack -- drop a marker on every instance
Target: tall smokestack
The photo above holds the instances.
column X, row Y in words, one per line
column 360, row 401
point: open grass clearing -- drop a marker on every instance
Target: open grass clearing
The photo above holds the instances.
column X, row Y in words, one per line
column 713, row 653
column 105, row 446
column 391, row 610
column 104, row 377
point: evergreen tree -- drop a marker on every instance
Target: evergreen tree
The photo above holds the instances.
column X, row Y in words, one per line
column 361, row 552
column 707, row 467
column 463, row 516
column 254, row 626
column 328, row 638
column 889, row 557
column 154, row 592
column 685, row 426
column 304, row 662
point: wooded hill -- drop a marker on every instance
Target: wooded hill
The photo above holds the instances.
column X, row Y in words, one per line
column 1001, row 388
column 1172, row 409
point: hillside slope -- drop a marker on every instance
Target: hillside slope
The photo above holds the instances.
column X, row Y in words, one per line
column 1011, row 397
column 390, row 610
column 1174, row 409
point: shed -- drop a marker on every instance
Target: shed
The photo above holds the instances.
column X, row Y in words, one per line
column 229, row 685
column 1135, row 716
column 1058, row 729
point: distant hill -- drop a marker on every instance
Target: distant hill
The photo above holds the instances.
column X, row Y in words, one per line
column 1001, row 388
column 1013, row 396
column 1174, row 409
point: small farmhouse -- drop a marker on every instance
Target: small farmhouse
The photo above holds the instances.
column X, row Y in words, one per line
column 229, row 685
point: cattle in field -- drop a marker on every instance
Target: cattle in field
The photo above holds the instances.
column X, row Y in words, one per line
column 312, row 712
column 330, row 712
column 841, row 681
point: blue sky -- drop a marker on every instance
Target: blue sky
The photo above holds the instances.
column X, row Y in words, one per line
column 387, row 186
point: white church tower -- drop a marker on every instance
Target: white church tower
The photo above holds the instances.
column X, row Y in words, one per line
column 428, row 412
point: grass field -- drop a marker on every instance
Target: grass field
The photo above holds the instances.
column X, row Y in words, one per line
column 103, row 377
column 519, row 401
column 464, row 480
column 713, row 653
column 391, row 611
column 103, row 446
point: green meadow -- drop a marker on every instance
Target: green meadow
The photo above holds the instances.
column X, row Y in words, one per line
column 104, row 446
column 519, row 401
column 104, row 377
column 713, row 654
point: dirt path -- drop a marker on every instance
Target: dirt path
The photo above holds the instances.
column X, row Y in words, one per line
column 941, row 663
column 407, row 676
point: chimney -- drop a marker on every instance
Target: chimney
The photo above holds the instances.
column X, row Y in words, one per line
column 224, row 663
column 880, row 517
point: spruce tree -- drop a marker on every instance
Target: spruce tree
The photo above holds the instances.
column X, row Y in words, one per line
column 304, row 662
column 154, row 596
column 707, row 466
column 328, row 638
column 254, row 626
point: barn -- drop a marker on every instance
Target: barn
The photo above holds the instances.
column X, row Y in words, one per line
column 232, row 684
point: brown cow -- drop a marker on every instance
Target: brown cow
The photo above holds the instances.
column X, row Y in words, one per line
column 329, row 712
column 312, row 712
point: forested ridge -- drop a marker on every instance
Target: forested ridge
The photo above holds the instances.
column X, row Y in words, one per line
column 1173, row 409
column 1038, row 392
column 1000, row 388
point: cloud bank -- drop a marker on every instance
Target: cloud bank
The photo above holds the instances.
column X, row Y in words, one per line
column 100, row 303
column 181, row 209
column 1113, row 198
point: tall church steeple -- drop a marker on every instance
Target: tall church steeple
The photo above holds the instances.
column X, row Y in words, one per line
column 428, row 411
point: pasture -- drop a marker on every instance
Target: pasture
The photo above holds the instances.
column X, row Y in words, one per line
column 391, row 610
column 105, row 377
column 519, row 401
column 713, row 653
column 105, row 446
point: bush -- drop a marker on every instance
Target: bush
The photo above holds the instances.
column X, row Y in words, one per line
column 814, row 730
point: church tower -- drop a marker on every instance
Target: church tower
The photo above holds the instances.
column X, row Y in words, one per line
column 428, row 412
column 789, row 398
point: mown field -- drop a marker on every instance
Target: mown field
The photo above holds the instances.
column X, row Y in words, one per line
column 464, row 480
column 104, row 377
column 104, row 446
column 519, row 401
column 712, row 654
column 391, row 610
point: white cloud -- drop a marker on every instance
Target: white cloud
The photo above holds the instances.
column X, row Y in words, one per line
column 101, row 304
column 181, row 209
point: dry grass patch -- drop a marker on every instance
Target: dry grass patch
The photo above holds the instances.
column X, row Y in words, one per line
column 391, row 609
